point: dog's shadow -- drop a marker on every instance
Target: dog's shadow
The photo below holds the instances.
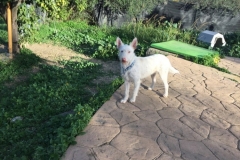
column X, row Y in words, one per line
column 155, row 91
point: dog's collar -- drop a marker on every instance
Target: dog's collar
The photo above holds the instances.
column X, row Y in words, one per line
column 128, row 67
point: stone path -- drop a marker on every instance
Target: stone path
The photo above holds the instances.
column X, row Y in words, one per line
column 200, row 120
column 231, row 63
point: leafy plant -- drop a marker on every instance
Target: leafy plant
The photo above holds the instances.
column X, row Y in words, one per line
column 27, row 21
column 23, row 62
column 232, row 47
column 57, row 9
column 61, row 108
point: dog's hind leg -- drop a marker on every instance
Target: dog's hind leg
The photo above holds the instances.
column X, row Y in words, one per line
column 164, row 77
column 135, row 91
column 127, row 86
column 153, row 81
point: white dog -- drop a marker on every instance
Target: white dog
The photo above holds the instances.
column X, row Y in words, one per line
column 135, row 68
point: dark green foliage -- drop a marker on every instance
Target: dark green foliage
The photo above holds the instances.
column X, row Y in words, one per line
column 27, row 21
column 22, row 62
column 232, row 47
column 54, row 103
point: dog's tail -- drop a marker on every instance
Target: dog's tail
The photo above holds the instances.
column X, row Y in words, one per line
column 173, row 70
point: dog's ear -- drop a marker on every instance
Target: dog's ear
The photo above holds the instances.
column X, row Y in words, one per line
column 134, row 43
column 119, row 42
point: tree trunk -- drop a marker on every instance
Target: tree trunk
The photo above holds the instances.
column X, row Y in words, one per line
column 14, row 5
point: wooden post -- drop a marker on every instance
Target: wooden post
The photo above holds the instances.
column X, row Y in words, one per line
column 9, row 24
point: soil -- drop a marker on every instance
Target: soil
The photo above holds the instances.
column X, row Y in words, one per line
column 52, row 53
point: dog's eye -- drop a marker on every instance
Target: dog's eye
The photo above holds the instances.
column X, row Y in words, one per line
column 128, row 51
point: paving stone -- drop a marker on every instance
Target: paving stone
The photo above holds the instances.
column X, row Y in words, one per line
column 109, row 152
column 165, row 157
column 175, row 84
column 201, row 88
column 150, row 93
column 177, row 129
column 188, row 99
column 78, row 153
column 231, row 63
column 137, row 131
column 214, row 120
column 191, row 110
column 193, row 150
column 237, row 103
column 236, row 131
column 142, row 128
column 223, row 136
column 109, row 106
column 127, row 106
column 191, row 106
column 213, row 78
column 223, row 84
column 236, row 97
column 196, row 125
column 231, row 117
column 211, row 85
column 209, row 101
column 144, row 102
column 169, row 145
column 103, row 119
column 231, row 107
column 239, row 145
column 224, row 95
column 97, row 135
column 160, row 91
column 197, row 78
column 171, row 92
column 148, row 115
column 171, row 101
column 186, row 91
column 118, row 94
column 169, row 112
column 221, row 151
column 136, row 147
column 123, row 117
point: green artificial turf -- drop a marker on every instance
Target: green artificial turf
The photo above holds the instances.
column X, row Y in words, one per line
column 183, row 49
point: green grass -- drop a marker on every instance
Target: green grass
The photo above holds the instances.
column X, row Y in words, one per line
column 41, row 100
column 99, row 42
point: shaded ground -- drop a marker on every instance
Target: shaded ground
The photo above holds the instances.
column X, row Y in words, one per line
column 52, row 53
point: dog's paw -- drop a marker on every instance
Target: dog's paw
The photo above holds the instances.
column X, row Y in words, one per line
column 149, row 88
column 165, row 95
column 132, row 100
column 123, row 101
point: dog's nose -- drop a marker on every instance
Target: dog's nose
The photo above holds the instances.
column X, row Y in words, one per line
column 124, row 59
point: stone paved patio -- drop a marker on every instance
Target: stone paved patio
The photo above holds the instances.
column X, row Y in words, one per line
column 200, row 120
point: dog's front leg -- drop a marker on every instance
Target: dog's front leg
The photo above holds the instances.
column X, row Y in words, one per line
column 135, row 91
column 127, row 85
